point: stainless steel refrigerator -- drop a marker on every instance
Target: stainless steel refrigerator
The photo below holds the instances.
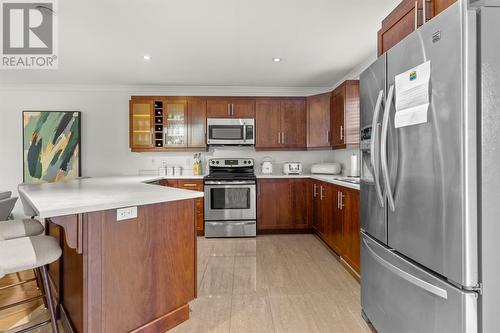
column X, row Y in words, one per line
column 430, row 203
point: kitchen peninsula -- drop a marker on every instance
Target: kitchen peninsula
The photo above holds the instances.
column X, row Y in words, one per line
column 129, row 252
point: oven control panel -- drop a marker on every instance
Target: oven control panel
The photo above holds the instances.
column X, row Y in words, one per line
column 231, row 162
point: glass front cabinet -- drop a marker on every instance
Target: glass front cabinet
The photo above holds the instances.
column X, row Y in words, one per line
column 159, row 124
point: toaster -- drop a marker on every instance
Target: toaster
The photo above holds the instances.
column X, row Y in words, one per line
column 292, row 168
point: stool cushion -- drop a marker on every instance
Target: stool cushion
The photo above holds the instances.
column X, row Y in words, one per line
column 11, row 229
column 20, row 254
column 5, row 195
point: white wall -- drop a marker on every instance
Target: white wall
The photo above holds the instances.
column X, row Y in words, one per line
column 105, row 148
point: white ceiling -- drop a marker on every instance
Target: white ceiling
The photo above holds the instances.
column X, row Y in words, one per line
column 210, row 42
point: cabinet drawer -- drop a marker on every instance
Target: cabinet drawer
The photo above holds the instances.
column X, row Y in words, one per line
column 190, row 184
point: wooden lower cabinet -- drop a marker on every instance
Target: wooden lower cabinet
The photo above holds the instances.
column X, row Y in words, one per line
column 336, row 219
column 195, row 185
column 283, row 204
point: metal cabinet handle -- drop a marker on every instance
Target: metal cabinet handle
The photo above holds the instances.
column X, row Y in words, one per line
column 407, row 276
column 374, row 146
column 321, row 192
column 315, row 190
column 232, row 109
column 383, row 149
column 189, row 185
column 228, row 109
column 283, row 138
column 416, row 14
column 338, row 200
column 341, row 200
column 341, row 132
column 328, row 136
column 279, row 137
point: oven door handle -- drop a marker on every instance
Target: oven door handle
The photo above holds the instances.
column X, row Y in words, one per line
column 231, row 223
column 216, row 182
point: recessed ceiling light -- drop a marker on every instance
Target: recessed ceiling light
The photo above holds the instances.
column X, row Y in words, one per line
column 277, row 59
column 146, row 57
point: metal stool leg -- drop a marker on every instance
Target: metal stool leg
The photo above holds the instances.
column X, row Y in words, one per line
column 48, row 295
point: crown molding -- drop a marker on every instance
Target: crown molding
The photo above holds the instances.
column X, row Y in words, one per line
column 169, row 90
column 356, row 71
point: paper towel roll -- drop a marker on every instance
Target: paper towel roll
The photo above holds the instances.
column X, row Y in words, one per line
column 354, row 167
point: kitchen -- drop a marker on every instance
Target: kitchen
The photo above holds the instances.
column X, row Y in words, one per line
column 264, row 202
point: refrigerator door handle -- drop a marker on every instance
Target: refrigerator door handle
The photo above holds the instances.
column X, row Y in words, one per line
column 375, row 158
column 407, row 276
column 383, row 149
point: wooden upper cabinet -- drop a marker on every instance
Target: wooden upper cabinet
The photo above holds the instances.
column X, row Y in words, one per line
column 230, row 107
column 293, row 123
column 318, row 121
column 345, row 115
column 280, row 123
column 243, row 108
column 141, row 124
column 197, row 122
column 405, row 19
column 164, row 123
column 175, row 124
column 268, row 123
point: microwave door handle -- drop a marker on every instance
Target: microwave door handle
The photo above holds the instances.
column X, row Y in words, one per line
column 374, row 148
column 383, row 149
column 244, row 133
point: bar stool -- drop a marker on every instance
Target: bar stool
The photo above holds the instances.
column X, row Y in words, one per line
column 5, row 195
column 6, row 207
column 25, row 253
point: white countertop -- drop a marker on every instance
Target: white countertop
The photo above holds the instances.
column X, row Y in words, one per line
column 102, row 193
column 325, row 178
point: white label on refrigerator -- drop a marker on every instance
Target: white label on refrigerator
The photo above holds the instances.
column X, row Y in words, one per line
column 412, row 96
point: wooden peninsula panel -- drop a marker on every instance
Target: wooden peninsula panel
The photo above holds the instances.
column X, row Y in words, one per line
column 133, row 275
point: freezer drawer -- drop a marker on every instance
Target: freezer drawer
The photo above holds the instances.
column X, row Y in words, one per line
column 398, row 296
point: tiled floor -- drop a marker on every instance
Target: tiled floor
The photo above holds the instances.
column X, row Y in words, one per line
column 275, row 283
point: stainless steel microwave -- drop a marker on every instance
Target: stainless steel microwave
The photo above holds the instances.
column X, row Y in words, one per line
column 226, row 131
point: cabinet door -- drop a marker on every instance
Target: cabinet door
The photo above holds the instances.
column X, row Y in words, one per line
column 325, row 212
column 351, row 236
column 273, row 197
column 243, row 108
column 175, row 123
column 141, row 124
column 197, row 122
column 316, row 206
column 293, row 123
column 300, row 204
column 337, row 241
column 351, row 114
column 318, row 121
column 195, row 185
column 218, row 108
column 439, row 6
column 337, row 117
column 267, row 123
column 401, row 22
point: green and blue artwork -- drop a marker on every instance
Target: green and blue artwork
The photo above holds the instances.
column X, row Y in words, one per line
column 51, row 146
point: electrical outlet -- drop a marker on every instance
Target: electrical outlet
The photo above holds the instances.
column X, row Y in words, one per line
column 126, row 213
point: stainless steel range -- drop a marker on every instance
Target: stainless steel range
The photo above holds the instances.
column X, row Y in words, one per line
column 230, row 198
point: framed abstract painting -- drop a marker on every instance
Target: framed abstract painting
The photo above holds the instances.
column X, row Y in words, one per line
column 51, row 146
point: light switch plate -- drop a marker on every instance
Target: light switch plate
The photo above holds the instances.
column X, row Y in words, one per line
column 126, row 213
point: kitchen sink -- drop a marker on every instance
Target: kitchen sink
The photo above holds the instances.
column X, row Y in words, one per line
column 348, row 180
